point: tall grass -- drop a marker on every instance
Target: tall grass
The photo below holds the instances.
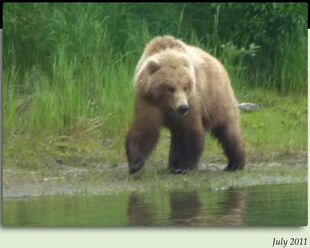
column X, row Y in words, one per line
column 69, row 67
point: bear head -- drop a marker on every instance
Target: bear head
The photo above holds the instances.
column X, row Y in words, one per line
column 167, row 80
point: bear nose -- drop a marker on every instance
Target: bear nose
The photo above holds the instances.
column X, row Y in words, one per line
column 183, row 109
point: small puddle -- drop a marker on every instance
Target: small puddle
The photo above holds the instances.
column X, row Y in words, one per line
column 273, row 205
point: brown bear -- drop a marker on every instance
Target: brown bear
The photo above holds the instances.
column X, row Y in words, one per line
column 185, row 89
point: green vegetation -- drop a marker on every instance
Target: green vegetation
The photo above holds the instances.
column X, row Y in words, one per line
column 68, row 69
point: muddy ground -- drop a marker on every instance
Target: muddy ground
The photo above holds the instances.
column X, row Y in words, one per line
column 106, row 179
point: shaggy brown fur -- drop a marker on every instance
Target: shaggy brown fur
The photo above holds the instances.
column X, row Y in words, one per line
column 188, row 91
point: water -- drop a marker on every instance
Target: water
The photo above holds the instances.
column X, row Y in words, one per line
column 273, row 205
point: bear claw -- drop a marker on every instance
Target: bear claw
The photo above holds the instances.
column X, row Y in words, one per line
column 133, row 168
column 177, row 171
column 232, row 167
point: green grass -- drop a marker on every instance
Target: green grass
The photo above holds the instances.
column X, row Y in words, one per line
column 278, row 128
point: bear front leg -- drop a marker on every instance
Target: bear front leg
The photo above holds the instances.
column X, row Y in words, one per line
column 230, row 138
column 175, row 153
column 185, row 149
column 142, row 136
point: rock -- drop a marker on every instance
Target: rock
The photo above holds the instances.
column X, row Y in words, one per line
column 247, row 107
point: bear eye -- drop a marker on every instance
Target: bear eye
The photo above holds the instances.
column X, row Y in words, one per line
column 185, row 88
column 171, row 90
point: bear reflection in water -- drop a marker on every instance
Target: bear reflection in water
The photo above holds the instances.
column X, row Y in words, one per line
column 188, row 209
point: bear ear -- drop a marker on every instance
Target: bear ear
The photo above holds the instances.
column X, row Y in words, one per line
column 152, row 66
